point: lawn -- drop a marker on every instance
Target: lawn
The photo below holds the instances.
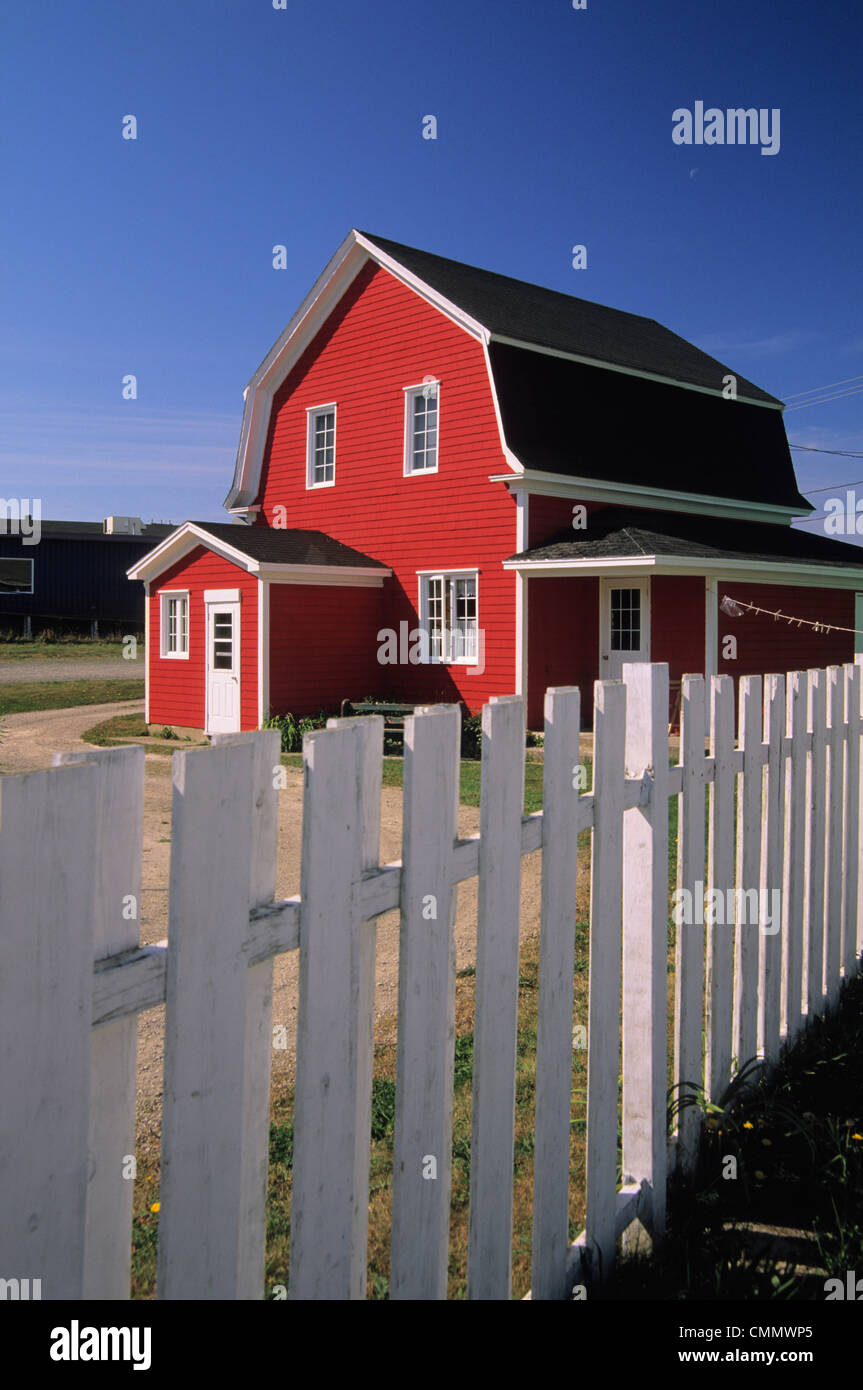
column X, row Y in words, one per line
column 34, row 695
column 71, row 650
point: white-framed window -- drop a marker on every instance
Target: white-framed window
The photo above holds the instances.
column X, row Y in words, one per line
column 321, row 446
column 175, row 622
column 449, row 617
column 16, row 576
column 422, row 415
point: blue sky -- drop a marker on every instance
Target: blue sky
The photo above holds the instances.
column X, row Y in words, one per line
column 259, row 127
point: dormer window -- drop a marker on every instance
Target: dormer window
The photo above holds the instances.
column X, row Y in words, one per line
column 421, row 427
column 321, row 446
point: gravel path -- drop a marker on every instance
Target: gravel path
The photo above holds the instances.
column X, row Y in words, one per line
column 47, row 669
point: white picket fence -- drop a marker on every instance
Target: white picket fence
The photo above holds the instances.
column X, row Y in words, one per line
column 70, row 882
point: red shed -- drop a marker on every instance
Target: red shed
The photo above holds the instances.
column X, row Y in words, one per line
column 451, row 484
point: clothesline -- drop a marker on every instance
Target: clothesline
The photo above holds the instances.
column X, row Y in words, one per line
column 736, row 606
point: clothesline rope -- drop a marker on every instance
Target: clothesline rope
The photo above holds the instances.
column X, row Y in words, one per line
column 736, row 606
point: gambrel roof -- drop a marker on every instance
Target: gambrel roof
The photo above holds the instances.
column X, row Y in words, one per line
column 518, row 312
column 606, row 400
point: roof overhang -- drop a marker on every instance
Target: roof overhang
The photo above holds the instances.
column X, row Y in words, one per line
column 813, row 576
column 189, row 536
column 595, row 490
column 632, row 371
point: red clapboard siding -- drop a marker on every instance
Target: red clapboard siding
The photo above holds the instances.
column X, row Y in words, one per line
column 381, row 338
column 765, row 645
column 177, row 687
column 548, row 515
column 322, row 646
column 562, row 640
column 677, row 614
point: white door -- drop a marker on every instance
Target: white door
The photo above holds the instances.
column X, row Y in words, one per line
column 624, row 625
column 223, row 668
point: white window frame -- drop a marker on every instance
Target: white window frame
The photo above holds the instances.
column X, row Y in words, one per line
column 411, row 393
column 312, row 413
column 21, row 559
column 448, row 578
column 164, row 596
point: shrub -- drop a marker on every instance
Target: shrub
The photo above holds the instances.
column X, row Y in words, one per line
column 293, row 729
column 471, row 736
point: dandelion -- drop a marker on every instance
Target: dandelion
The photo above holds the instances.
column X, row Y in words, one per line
column 155, row 1206
column 747, row 1124
column 858, row 1137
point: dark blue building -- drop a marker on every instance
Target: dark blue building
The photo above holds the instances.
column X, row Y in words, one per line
column 71, row 575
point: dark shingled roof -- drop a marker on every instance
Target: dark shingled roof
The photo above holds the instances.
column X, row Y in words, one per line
column 277, row 547
column 547, row 318
column 619, row 533
column 94, row 530
column 567, row 418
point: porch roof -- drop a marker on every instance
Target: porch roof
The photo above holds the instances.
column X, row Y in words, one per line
column 679, row 542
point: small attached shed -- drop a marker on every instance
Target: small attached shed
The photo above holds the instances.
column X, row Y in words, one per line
column 242, row 620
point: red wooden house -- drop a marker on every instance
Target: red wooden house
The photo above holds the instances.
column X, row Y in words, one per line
column 451, row 484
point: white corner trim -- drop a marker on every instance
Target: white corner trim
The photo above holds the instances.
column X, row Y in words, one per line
column 711, row 626
column 147, row 652
column 263, row 650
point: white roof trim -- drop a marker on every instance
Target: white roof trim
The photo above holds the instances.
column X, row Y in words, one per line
column 632, row 371
column 814, row 575
column 189, row 536
column 180, row 543
column 593, row 490
column 330, row 286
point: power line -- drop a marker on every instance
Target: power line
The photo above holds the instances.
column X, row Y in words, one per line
column 843, row 453
column 839, row 395
column 795, row 395
column 833, row 487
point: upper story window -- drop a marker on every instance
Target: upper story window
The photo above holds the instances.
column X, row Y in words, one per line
column 422, row 408
column 321, row 448
column 175, row 623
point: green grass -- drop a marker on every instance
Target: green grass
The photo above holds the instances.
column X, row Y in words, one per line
column 797, row 1138
column 33, row 695
column 65, row 650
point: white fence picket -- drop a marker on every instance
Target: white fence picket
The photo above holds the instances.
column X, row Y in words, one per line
column 834, row 835
column 203, row 1108
column 560, row 789
column 328, row 1253
column 851, row 855
column 603, row 1032
column 496, row 1000
column 746, row 955
column 113, row 1046
column 645, row 937
column 719, row 993
column 794, row 877
column 689, row 940
column 772, row 844
column 815, row 836
column 426, row 1034
column 48, row 846
column 264, row 814
column 67, row 1031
